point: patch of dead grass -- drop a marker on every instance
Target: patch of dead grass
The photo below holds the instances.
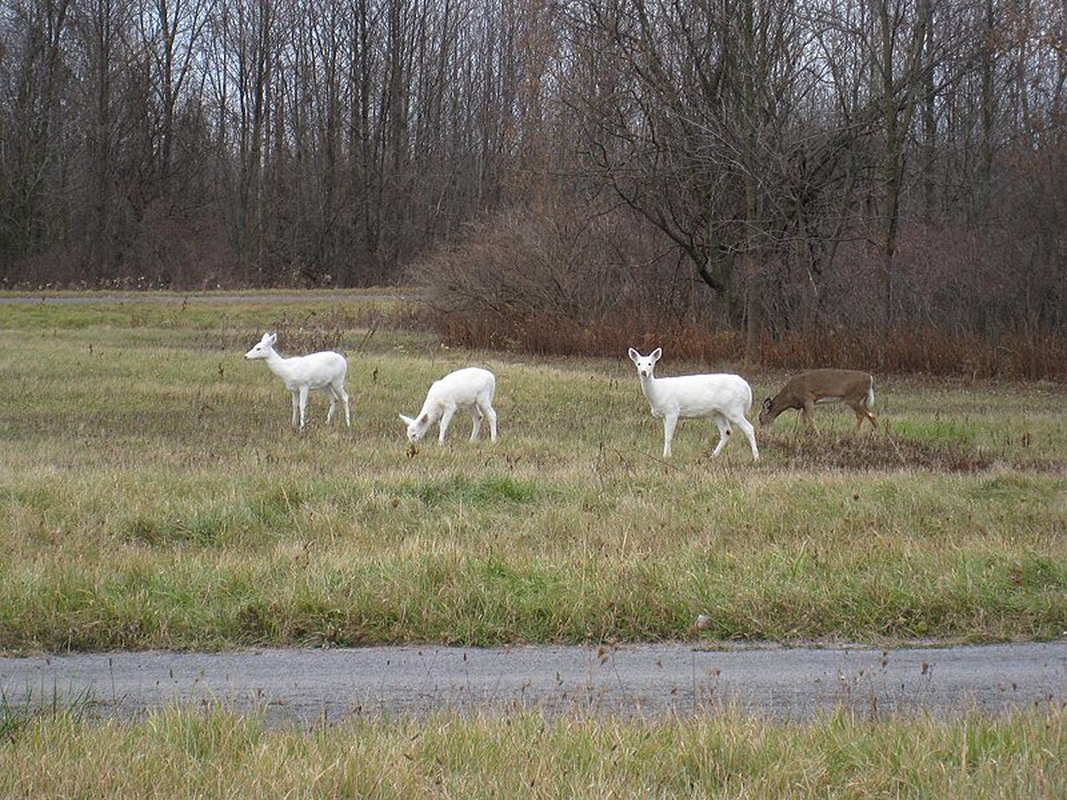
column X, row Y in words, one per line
column 867, row 452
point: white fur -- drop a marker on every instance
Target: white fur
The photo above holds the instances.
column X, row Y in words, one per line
column 724, row 398
column 470, row 388
column 302, row 374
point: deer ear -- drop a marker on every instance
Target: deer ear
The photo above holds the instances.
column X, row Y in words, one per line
column 407, row 420
column 657, row 354
column 634, row 355
column 270, row 338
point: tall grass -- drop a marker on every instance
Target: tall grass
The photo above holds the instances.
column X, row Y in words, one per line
column 178, row 752
column 152, row 494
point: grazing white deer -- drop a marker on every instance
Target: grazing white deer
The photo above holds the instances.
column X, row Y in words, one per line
column 808, row 389
column 724, row 398
column 302, row 374
column 471, row 388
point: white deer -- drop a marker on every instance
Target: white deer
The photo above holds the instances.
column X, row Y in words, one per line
column 323, row 371
column 808, row 389
column 471, row 388
column 724, row 398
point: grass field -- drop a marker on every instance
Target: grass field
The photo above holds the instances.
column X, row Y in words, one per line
column 153, row 494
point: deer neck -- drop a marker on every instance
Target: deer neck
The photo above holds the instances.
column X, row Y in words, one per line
column 650, row 386
column 780, row 404
column 277, row 364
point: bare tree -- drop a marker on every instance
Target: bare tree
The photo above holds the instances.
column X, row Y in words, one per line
column 33, row 74
column 806, row 163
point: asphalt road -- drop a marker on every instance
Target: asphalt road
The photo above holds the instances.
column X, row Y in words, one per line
column 308, row 687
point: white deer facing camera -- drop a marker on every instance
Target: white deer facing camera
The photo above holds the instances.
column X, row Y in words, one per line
column 301, row 375
column 470, row 388
column 724, row 398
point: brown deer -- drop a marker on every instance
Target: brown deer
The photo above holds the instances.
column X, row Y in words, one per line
column 808, row 389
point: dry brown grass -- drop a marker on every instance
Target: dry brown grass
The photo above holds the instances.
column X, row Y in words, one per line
column 214, row 752
column 873, row 453
column 903, row 350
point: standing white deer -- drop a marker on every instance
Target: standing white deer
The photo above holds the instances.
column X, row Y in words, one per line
column 471, row 388
column 808, row 389
column 323, row 371
column 725, row 398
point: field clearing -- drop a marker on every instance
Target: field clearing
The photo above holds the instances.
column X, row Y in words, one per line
column 153, row 495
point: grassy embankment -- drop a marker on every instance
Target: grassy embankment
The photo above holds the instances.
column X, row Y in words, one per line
column 152, row 494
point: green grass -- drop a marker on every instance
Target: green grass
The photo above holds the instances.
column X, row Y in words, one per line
column 153, row 494
column 177, row 752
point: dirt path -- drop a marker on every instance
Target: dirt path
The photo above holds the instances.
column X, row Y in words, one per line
column 308, row 686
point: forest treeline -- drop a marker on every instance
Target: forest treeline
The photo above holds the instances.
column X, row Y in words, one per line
column 768, row 166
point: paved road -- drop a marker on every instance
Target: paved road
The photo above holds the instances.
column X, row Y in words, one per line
column 307, row 686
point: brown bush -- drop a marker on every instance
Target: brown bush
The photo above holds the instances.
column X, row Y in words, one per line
column 609, row 336
column 927, row 350
column 903, row 350
column 557, row 279
column 560, row 263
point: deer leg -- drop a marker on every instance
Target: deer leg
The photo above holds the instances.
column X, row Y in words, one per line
column 724, row 434
column 296, row 407
column 870, row 415
column 669, row 422
column 303, row 405
column 332, row 394
column 749, row 432
column 446, row 420
column 862, row 412
column 476, row 418
column 340, row 389
column 490, row 414
column 808, row 413
column 860, row 416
